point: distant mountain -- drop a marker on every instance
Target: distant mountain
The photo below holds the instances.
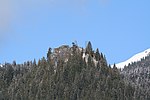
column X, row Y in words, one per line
column 133, row 59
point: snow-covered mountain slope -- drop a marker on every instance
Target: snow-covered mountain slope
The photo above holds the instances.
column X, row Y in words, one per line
column 135, row 58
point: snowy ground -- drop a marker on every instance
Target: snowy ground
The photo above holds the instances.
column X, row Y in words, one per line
column 135, row 58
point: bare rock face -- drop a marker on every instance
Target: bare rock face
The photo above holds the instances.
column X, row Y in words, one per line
column 62, row 52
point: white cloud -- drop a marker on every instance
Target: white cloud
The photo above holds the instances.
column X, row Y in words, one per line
column 6, row 16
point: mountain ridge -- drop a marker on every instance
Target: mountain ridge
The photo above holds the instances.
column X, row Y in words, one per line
column 134, row 58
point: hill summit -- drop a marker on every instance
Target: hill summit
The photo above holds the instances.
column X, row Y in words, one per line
column 67, row 73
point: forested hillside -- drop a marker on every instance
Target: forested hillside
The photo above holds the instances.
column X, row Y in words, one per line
column 67, row 73
column 138, row 75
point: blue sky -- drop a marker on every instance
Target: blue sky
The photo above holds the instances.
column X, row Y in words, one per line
column 119, row 28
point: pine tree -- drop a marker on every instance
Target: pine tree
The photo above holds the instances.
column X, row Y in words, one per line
column 14, row 63
column 97, row 55
column 49, row 54
column 89, row 48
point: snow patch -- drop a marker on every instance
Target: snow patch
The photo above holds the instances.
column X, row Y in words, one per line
column 95, row 62
column 86, row 56
column 83, row 56
column 134, row 58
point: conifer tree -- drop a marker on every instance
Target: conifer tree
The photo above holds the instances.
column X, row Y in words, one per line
column 49, row 54
column 97, row 55
column 89, row 48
